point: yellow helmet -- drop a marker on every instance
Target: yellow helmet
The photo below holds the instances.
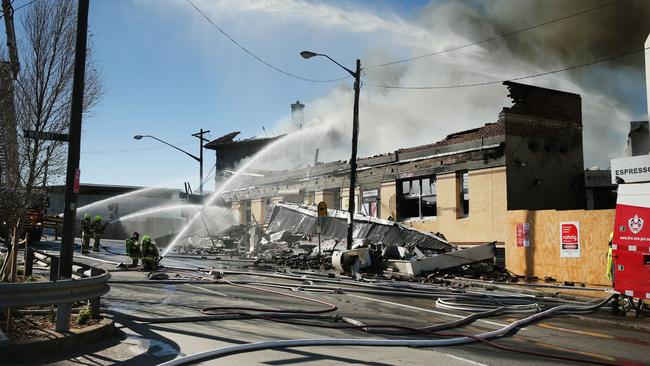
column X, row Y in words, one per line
column 146, row 238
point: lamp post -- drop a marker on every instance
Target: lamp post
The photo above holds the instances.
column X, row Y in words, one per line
column 355, row 135
column 199, row 158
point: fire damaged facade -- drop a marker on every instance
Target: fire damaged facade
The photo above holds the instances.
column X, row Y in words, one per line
column 530, row 158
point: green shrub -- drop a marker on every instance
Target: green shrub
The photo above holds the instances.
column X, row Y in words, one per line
column 20, row 271
column 84, row 316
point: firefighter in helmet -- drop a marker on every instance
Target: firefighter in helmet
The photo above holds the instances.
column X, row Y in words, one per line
column 98, row 231
column 133, row 248
column 86, row 233
column 150, row 255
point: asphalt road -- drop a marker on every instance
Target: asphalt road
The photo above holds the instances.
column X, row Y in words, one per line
column 150, row 344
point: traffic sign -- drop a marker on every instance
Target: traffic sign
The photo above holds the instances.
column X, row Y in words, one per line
column 42, row 135
column 322, row 209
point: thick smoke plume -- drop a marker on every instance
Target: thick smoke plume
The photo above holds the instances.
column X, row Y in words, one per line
column 612, row 92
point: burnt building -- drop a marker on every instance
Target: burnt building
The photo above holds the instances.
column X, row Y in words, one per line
column 231, row 152
column 530, row 158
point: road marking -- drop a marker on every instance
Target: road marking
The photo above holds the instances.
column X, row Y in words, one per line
column 564, row 349
column 96, row 259
column 205, row 289
column 427, row 310
column 575, row 331
column 464, row 360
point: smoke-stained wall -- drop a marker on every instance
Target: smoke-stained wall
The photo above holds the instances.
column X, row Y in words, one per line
column 544, row 155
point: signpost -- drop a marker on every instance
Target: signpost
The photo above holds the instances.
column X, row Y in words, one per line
column 322, row 212
column 42, row 135
column 631, row 169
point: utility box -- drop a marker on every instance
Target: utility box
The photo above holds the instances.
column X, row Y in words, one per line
column 631, row 241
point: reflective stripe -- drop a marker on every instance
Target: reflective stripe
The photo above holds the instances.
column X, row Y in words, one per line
column 631, row 248
column 629, row 292
column 614, row 246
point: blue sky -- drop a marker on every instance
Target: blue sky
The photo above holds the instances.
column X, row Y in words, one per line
column 161, row 80
column 167, row 72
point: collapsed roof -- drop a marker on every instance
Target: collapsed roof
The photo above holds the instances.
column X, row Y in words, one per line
column 303, row 219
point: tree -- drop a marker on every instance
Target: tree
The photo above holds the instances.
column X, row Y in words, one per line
column 42, row 99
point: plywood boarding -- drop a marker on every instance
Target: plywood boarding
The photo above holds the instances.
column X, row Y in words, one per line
column 543, row 259
column 487, row 208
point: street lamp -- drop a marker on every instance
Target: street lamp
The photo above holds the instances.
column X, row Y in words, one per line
column 355, row 135
column 198, row 135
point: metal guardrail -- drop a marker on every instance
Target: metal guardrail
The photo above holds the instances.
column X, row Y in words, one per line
column 13, row 295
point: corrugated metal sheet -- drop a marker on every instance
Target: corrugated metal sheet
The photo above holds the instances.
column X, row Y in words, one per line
column 302, row 219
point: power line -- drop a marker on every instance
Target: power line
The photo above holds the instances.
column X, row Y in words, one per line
column 268, row 64
column 498, row 36
column 18, row 8
column 511, row 79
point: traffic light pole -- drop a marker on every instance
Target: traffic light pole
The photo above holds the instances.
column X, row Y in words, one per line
column 72, row 173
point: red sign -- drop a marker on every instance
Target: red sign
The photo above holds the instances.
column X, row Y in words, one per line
column 77, row 174
column 631, row 227
column 523, row 235
column 570, row 239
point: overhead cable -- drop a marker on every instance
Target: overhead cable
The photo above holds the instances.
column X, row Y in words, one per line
column 495, row 37
column 268, row 64
column 455, row 86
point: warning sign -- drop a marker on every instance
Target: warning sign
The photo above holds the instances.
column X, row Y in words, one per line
column 322, row 209
column 570, row 239
column 523, row 235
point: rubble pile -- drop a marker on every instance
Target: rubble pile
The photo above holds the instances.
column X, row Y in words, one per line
column 381, row 247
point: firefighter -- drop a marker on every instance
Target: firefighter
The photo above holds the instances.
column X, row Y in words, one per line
column 98, row 230
column 133, row 248
column 150, row 256
column 610, row 260
column 86, row 233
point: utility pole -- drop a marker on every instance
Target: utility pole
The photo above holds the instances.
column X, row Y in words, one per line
column 72, row 173
column 355, row 135
column 199, row 135
column 8, row 73
column 353, row 158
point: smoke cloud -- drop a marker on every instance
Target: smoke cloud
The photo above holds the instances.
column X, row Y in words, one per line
column 612, row 92
column 391, row 119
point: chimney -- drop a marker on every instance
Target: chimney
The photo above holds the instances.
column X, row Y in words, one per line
column 297, row 114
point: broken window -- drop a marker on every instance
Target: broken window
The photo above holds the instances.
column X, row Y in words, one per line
column 370, row 205
column 463, row 185
column 268, row 209
column 418, row 198
column 247, row 211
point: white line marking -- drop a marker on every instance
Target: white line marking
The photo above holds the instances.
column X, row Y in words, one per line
column 464, row 360
column 96, row 259
column 427, row 310
column 205, row 289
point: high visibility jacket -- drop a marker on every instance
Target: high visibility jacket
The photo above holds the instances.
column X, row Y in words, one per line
column 149, row 250
column 133, row 248
column 86, row 226
column 98, row 228
column 610, row 275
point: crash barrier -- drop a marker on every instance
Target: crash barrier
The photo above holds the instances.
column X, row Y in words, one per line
column 88, row 283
